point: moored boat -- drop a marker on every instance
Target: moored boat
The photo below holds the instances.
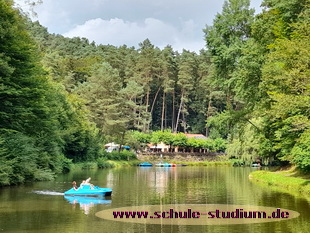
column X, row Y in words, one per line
column 163, row 165
column 145, row 164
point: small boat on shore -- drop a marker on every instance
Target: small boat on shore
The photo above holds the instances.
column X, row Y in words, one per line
column 182, row 165
column 163, row 165
column 256, row 165
column 145, row 164
column 89, row 190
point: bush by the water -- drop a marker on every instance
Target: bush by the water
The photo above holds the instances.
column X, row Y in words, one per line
column 301, row 152
column 106, row 160
column 122, row 155
column 22, row 160
column 104, row 163
column 89, row 165
column 237, row 162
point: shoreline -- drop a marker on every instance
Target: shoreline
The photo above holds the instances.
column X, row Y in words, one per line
column 289, row 181
column 133, row 163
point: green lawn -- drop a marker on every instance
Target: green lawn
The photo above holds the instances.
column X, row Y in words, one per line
column 284, row 180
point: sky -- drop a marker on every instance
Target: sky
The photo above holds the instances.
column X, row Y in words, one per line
column 178, row 23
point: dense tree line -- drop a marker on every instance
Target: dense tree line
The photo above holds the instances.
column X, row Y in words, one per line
column 262, row 64
column 42, row 126
column 62, row 98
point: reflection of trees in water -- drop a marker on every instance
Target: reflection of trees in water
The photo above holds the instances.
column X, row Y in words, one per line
column 177, row 184
column 270, row 197
column 193, row 185
column 210, row 185
column 86, row 207
column 240, row 190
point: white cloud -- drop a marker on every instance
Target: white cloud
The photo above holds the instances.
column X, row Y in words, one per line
column 119, row 32
column 117, row 22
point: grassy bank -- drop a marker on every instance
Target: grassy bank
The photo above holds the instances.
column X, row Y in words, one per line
column 105, row 164
column 114, row 159
column 287, row 181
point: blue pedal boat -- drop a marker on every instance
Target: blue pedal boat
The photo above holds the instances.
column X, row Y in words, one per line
column 89, row 190
column 145, row 164
column 163, row 165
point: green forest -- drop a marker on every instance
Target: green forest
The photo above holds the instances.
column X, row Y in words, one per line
column 62, row 99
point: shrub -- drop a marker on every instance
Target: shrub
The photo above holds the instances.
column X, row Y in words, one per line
column 43, row 174
column 104, row 163
column 122, row 155
column 89, row 165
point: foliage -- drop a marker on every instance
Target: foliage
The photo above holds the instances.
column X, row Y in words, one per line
column 247, row 145
column 180, row 140
column 301, row 151
column 62, row 98
column 104, row 163
column 285, row 79
column 262, row 64
column 22, row 161
column 41, row 125
column 122, row 155
column 89, row 165
column 237, row 162
column 220, row 144
column 138, row 140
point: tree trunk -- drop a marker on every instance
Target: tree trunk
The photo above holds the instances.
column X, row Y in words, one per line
column 145, row 125
column 139, row 115
column 166, row 107
column 154, row 100
column 135, row 112
column 179, row 112
column 122, row 141
column 173, row 111
column 208, row 115
column 163, row 112
column 184, row 122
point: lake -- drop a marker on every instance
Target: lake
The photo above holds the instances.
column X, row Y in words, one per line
column 42, row 207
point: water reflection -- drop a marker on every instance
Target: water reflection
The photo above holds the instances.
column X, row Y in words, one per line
column 86, row 203
column 40, row 207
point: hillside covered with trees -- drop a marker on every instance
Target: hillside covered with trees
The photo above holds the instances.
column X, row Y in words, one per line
column 62, row 99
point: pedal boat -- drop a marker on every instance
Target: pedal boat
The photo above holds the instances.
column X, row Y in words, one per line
column 89, row 190
column 145, row 164
column 163, row 165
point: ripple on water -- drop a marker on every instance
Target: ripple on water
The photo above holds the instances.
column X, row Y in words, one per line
column 46, row 192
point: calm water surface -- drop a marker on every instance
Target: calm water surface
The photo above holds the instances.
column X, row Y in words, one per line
column 41, row 207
